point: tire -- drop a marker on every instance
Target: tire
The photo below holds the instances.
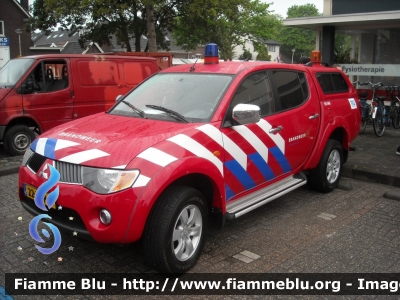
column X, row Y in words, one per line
column 378, row 122
column 175, row 230
column 17, row 139
column 363, row 125
column 325, row 177
column 396, row 117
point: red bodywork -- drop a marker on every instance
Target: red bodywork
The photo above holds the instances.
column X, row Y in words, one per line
column 93, row 83
column 166, row 152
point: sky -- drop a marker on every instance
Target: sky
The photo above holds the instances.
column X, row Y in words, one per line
column 281, row 6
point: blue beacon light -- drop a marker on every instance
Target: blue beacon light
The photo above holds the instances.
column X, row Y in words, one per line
column 211, row 54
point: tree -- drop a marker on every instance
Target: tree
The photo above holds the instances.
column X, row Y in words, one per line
column 227, row 23
column 99, row 19
column 246, row 55
column 262, row 53
column 303, row 40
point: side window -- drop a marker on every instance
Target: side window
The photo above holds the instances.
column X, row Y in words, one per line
column 332, row 83
column 50, row 76
column 256, row 90
column 291, row 88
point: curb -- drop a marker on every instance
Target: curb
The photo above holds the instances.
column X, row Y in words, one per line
column 370, row 176
column 9, row 170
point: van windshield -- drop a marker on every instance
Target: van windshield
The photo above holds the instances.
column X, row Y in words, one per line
column 184, row 97
column 13, row 70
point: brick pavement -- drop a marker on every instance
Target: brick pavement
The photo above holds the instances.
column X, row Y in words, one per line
column 353, row 230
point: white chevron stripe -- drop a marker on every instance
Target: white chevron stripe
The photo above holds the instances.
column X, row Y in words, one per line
column 41, row 145
column 157, row 157
column 61, row 144
column 277, row 138
column 230, row 146
column 197, row 149
column 141, row 181
column 250, row 137
column 84, row 156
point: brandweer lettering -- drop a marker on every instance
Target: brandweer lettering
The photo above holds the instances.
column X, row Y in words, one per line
column 81, row 137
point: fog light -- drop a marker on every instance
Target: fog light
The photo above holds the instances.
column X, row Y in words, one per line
column 105, row 217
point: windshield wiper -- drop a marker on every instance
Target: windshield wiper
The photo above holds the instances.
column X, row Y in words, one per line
column 137, row 110
column 170, row 112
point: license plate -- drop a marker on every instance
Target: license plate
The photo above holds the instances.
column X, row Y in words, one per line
column 30, row 192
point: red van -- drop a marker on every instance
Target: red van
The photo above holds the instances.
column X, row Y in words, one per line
column 40, row 92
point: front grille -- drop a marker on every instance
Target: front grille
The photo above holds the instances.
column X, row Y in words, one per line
column 36, row 161
column 69, row 173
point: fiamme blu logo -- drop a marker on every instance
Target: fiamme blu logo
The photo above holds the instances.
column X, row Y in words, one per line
column 45, row 203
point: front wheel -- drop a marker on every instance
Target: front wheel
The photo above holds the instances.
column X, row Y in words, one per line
column 396, row 117
column 379, row 122
column 17, row 139
column 325, row 177
column 175, row 230
column 363, row 124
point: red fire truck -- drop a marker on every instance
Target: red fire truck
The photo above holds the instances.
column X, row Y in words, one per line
column 194, row 143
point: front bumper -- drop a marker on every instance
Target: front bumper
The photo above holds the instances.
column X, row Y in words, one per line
column 80, row 210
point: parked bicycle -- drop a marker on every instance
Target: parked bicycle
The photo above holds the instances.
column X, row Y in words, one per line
column 375, row 112
column 394, row 110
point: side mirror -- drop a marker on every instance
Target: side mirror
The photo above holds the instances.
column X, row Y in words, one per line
column 246, row 114
column 118, row 98
column 26, row 88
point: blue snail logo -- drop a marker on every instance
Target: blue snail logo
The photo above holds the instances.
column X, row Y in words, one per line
column 50, row 201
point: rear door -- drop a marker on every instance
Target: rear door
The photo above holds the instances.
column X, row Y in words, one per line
column 51, row 101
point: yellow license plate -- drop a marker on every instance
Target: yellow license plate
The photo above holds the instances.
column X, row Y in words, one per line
column 30, row 192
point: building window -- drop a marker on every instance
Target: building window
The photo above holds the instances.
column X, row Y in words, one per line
column 271, row 48
column 1, row 28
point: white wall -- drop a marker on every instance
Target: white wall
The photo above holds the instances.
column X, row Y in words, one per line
column 238, row 50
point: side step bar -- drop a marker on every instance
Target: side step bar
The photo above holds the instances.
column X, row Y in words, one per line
column 247, row 203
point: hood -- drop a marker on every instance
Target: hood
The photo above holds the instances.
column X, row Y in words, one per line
column 104, row 140
column 4, row 92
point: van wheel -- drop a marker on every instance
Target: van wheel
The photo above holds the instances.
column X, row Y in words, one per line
column 175, row 230
column 325, row 177
column 17, row 139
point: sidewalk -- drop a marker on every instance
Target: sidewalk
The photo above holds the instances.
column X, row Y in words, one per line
column 374, row 160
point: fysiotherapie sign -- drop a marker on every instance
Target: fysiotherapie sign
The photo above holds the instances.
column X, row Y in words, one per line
column 371, row 70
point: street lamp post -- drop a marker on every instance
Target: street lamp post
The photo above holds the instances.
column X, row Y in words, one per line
column 293, row 51
column 19, row 31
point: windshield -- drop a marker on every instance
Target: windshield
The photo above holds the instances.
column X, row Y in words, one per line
column 13, row 70
column 180, row 97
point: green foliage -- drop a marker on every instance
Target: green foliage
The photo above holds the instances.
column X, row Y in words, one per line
column 303, row 40
column 102, row 18
column 228, row 23
column 343, row 50
column 263, row 54
column 246, row 55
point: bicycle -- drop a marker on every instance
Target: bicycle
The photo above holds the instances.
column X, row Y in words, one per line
column 394, row 110
column 374, row 113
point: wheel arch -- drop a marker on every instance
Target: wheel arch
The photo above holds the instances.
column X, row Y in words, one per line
column 338, row 133
column 27, row 121
column 194, row 172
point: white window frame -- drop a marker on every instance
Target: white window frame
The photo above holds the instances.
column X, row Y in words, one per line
column 2, row 30
column 271, row 48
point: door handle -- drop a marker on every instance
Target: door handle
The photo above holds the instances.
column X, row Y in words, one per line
column 276, row 129
column 314, row 117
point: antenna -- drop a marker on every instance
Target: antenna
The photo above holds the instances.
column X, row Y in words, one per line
column 192, row 67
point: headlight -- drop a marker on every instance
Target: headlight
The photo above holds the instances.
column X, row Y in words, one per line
column 27, row 156
column 106, row 181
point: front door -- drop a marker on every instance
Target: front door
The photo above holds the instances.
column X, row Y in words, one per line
column 279, row 142
column 50, row 103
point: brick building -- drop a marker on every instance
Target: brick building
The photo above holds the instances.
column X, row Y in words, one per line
column 13, row 15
